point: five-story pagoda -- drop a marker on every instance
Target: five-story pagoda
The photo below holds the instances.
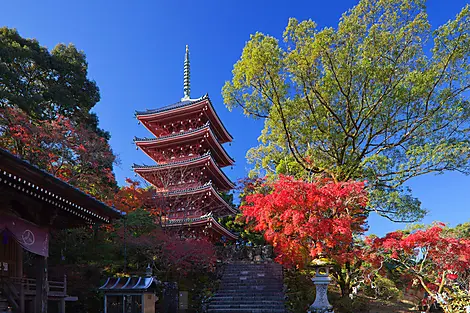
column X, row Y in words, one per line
column 189, row 155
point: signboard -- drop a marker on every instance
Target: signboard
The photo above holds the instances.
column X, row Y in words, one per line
column 31, row 237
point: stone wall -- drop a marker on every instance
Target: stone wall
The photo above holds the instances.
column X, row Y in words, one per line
column 240, row 252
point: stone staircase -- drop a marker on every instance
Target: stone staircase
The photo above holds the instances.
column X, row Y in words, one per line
column 248, row 287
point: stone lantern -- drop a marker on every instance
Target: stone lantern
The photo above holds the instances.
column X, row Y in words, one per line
column 321, row 281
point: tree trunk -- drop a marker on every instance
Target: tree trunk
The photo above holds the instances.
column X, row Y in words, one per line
column 345, row 288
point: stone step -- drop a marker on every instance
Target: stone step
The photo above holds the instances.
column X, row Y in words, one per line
column 248, row 274
column 226, row 297
column 251, row 283
column 247, row 299
column 254, row 269
column 246, row 306
column 250, row 288
column 235, row 278
column 243, row 310
column 241, row 278
column 267, row 273
column 243, row 301
column 254, row 291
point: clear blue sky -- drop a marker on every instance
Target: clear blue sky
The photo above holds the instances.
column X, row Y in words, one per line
column 135, row 51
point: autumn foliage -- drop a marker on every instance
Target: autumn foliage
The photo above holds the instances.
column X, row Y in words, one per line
column 131, row 197
column 429, row 257
column 62, row 147
column 170, row 253
column 164, row 248
column 307, row 220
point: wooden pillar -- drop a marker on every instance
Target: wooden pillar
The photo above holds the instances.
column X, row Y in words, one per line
column 62, row 305
column 22, row 302
column 19, row 274
column 41, row 284
column 62, row 300
column 19, row 261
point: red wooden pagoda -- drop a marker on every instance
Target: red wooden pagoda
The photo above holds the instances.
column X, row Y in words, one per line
column 189, row 155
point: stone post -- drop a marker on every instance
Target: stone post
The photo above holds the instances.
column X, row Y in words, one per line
column 321, row 281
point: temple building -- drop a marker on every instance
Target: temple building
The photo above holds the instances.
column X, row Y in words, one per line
column 32, row 203
column 187, row 177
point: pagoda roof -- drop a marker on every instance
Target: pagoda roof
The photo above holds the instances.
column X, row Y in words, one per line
column 225, row 182
column 201, row 221
column 173, row 139
column 207, row 187
column 74, row 206
column 185, row 106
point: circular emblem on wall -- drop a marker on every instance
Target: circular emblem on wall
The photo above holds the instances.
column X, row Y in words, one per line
column 28, row 237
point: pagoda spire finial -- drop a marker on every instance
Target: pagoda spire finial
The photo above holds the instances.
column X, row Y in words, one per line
column 187, row 74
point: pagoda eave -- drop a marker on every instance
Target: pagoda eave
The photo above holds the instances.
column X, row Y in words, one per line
column 186, row 107
column 219, row 177
column 201, row 222
column 199, row 134
column 207, row 188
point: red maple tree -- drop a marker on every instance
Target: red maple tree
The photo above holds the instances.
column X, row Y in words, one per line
column 170, row 253
column 131, row 197
column 62, row 147
column 167, row 250
column 428, row 257
column 307, row 220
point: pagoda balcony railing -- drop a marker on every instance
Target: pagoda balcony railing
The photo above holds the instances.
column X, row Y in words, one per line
column 181, row 191
column 184, row 133
column 170, row 221
column 177, row 162
column 205, row 218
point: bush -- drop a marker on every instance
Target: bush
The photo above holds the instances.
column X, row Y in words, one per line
column 346, row 305
column 383, row 288
column 300, row 290
column 458, row 302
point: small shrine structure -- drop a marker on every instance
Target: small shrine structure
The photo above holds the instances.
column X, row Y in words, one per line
column 130, row 294
column 33, row 202
column 188, row 152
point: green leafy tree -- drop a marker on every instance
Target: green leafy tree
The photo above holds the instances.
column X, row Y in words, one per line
column 379, row 97
column 459, row 231
column 45, row 118
column 45, row 83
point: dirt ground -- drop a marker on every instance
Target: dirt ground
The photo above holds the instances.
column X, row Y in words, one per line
column 377, row 306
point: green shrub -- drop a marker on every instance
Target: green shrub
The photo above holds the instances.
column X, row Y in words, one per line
column 383, row 288
column 300, row 290
column 458, row 301
column 346, row 305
